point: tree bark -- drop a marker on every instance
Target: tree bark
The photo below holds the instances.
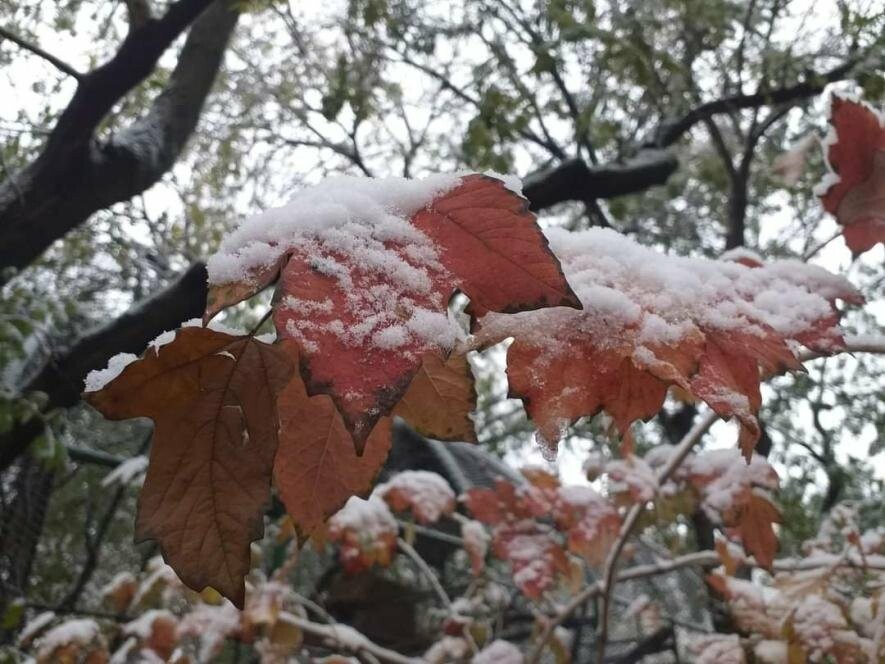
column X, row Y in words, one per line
column 75, row 175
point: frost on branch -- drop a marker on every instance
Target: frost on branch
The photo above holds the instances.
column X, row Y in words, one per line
column 367, row 268
column 651, row 322
column 854, row 188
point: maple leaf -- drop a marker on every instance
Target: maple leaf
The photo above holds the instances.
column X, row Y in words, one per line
column 440, row 399
column 316, row 468
column 652, row 323
column 854, row 192
column 754, row 522
column 591, row 522
column 492, row 245
column 212, row 397
column 367, row 302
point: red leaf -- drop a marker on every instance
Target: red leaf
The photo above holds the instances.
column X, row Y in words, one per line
column 857, row 156
column 427, row 495
column 652, row 322
column 493, row 247
column 366, row 532
column 754, row 523
column 364, row 318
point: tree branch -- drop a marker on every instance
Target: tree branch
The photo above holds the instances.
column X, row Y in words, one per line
column 59, row 64
column 74, row 176
column 653, row 164
column 61, row 377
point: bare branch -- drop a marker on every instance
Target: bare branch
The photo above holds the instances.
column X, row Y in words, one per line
column 59, row 64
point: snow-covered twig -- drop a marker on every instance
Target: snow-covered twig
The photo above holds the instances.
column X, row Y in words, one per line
column 424, row 568
column 349, row 639
column 862, row 343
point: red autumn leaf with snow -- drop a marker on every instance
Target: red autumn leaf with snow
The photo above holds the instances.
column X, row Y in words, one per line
column 651, row 322
column 738, row 496
column 531, row 548
column 854, row 190
column 586, row 521
column 365, row 292
column 365, row 531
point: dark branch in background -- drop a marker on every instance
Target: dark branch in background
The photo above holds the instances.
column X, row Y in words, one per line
column 61, row 378
column 653, row 164
column 61, row 65
column 75, row 175
column 574, row 180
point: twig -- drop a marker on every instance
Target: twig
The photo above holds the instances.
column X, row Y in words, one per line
column 407, row 549
column 424, row 568
column 61, row 65
column 349, row 639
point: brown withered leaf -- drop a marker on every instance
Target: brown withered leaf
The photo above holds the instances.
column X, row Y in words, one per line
column 440, row 399
column 212, row 397
column 755, row 522
column 316, row 468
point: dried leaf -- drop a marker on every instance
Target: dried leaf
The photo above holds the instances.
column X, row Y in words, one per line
column 212, row 397
column 316, row 468
column 440, row 399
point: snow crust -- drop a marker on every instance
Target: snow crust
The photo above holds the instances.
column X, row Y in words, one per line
column 371, row 518
column 346, row 214
column 731, row 477
column 625, row 282
column 81, row 631
column 98, row 378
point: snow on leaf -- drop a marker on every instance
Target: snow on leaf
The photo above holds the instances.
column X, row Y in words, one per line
column 366, row 269
column 427, row 495
column 591, row 522
column 534, row 553
column 214, row 441
column 440, row 399
column 74, row 640
column 316, row 468
column 854, row 190
column 366, row 533
column 476, row 543
column 651, row 322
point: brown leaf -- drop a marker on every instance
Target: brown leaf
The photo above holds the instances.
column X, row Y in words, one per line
column 440, row 399
column 316, row 468
column 222, row 296
column 212, row 397
column 755, row 526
